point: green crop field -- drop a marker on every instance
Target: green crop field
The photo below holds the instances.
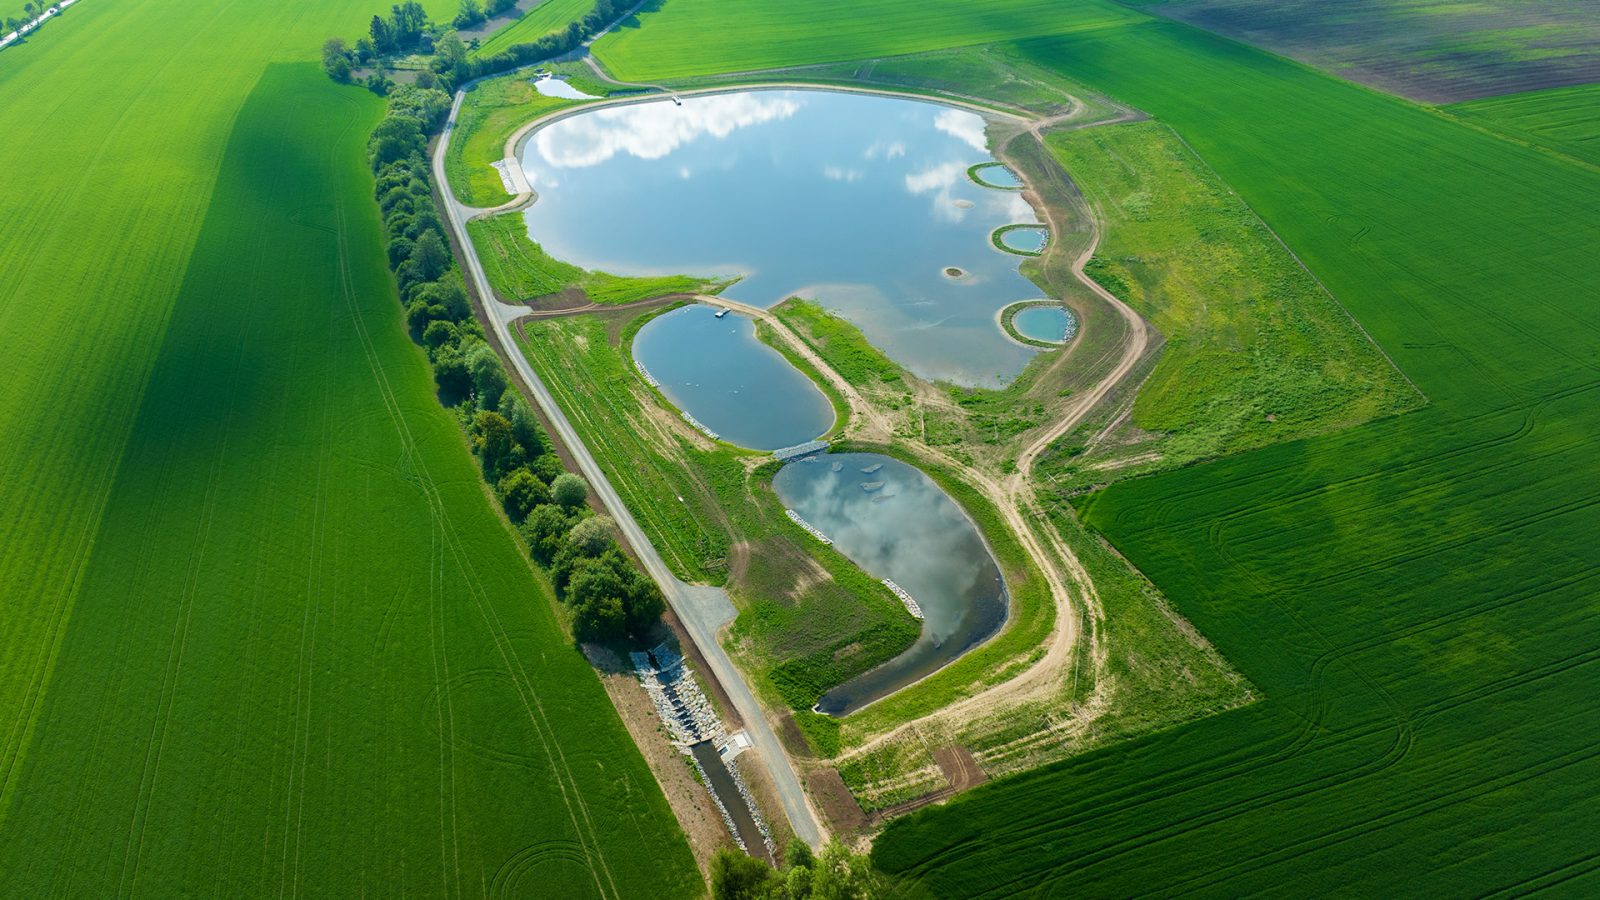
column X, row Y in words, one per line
column 1256, row 351
column 545, row 16
column 1566, row 120
column 1415, row 598
column 672, row 38
column 1431, row 50
column 263, row 632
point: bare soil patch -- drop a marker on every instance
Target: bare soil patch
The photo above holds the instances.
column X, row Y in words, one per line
column 960, row 767
column 839, row 809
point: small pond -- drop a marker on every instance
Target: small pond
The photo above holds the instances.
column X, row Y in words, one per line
column 997, row 176
column 1052, row 324
column 856, row 201
column 737, row 386
column 894, row 522
column 551, row 86
column 1028, row 239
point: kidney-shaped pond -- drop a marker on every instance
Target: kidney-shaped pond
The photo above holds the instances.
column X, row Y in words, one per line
column 859, row 202
column 735, row 385
column 894, row 522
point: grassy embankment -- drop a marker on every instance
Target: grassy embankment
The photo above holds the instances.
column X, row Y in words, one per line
column 1566, row 120
column 545, row 17
column 1257, row 352
column 519, row 269
column 809, row 618
column 263, row 629
column 1414, row 597
column 490, row 113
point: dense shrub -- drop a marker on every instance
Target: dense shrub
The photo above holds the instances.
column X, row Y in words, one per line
column 407, row 30
column 520, row 491
column 569, row 490
column 837, row 874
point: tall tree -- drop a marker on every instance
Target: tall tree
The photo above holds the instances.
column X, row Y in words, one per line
column 471, row 13
column 336, row 59
column 450, row 58
column 492, row 440
column 408, row 20
column 382, row 35
column 430, row 256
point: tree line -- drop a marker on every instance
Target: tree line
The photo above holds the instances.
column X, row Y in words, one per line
column 608, row 597
column 408, row 31
column 835, row 874
column 30, row 10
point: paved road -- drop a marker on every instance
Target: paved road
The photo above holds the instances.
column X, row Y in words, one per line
column 703, row 610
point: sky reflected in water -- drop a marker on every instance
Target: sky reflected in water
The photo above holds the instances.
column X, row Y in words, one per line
column 733, row 383
column 859, row 202
column 894, row 522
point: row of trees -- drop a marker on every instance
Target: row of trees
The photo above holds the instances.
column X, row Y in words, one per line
column 837, row 874
column 30, row 11
column 408, row 30
column 609, row 598
column 551, row 45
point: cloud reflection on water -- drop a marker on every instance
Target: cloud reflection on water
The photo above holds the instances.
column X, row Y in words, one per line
column 963, row 126
column 653, row 130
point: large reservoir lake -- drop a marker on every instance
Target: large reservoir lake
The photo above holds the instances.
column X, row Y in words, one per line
column 859, row 202
column 894, row 522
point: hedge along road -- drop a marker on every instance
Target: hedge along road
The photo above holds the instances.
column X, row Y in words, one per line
column 702, row 609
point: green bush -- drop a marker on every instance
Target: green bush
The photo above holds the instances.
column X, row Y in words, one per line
column 569, row 490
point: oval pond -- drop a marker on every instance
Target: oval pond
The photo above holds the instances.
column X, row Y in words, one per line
column 738, row 387
column 1052, row 324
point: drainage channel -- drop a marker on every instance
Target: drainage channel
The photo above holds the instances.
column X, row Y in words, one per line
column 698, row 733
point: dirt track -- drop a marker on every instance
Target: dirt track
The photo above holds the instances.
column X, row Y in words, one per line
column 871, row 424
column 1016, row 502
